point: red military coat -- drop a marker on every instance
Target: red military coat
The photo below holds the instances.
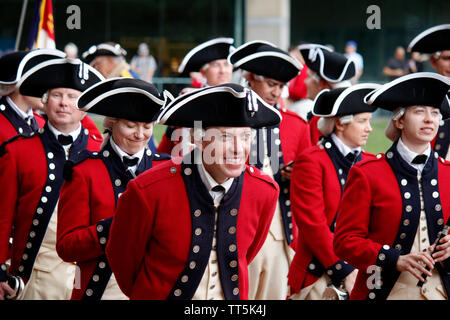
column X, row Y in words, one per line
column 11, row 124
column 87, row 198
column 31, row 173
column 290, row 138
column 150, row 239
column 316, row 186
column 377, row 213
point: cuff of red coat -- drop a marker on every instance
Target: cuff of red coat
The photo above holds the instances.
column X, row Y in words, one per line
column 103, row 227
column 387, row 258
column 338, row 271
column 3, row 275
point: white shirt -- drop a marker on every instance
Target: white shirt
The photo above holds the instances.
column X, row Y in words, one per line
column 342, row 147
column 409, row 155
column 210, row 183
column 20, row 112
column 122, row 154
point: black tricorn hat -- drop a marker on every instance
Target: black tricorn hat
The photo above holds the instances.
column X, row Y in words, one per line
column 432, row 40
column 124, row 98
column 331, row 66
column 227, row 105
column 58, row 73
column 265, row 59
column 103, row 49
column 14, row 65
column 344, row 101
column 416, row 89
column 204, row 53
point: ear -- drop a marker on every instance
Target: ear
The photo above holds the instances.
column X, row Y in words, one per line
column 338, row 126
column 433, row 62
column 399, row 123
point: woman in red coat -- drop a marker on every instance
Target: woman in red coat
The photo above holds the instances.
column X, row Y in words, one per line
column 395, row 205
column 96, row 180
column 318, row 179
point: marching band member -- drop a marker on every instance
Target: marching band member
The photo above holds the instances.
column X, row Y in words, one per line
column 394, row 205
column 188, row 229
column 32, row 168
column 96, row 180
column 317, row 183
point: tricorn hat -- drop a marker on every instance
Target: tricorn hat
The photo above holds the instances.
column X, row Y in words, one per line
column 330, row 65
column 103, row 49
column 58, row 73
column 14, row 65
column 344, row 101
column 124, row 98
column 416, row 89
column 204, row 53
column 227, row 105
column 432, row 40
column 265, row 59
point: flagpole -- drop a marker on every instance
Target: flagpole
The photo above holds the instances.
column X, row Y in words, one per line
column 22, row 18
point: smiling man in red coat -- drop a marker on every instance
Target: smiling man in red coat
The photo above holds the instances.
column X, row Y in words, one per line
column 32, row 168
column 395, row 205
column 318, row 179
column 189, row 228
column 268, row 69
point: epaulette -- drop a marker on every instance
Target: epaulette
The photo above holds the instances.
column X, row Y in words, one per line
column 16, row 137
column 254, row 172
column 76, row 160
column 161, row 172
column 379, row 156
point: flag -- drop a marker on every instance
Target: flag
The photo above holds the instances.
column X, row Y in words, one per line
column 42, row 31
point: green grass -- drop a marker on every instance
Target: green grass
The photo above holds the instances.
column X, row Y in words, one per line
column 376, row 143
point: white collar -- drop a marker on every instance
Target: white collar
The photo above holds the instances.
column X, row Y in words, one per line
column 342, row 147
column 208, row 180
column 122, row 153
column 409, row 155
column 56, row 132
column 20, row 112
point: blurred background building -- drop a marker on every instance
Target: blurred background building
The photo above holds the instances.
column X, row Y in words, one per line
column 172, row 27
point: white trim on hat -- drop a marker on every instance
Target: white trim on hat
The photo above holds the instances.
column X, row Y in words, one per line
column 29, row 56
column 57, row 61
column 246, row 45
column 117, row 91
column 312, row 45
column 201, row 46
column 257, row 55
column 116, row 49
column 425, row 33
column 168, row 110
column 371, row 97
